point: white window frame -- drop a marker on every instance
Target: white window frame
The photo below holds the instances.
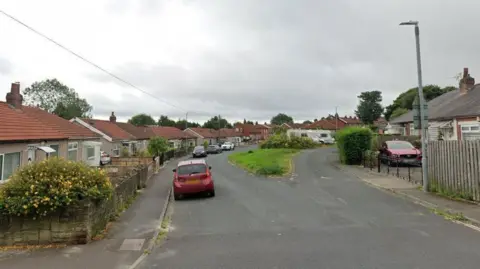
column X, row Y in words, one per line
column 2, row 180
column 116, row 151
column 86, row 153
column 74, row 147
column 58, row 148
column 469, row 128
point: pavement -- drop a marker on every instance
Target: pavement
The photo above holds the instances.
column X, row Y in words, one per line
column 125, row 242
column 318, row 217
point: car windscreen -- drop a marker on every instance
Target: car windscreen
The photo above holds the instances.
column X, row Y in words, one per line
column 400, row 145
column 191, row 169
column 212, row 147
column 200, row 148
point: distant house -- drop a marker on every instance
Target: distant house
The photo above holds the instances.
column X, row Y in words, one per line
column 232, row 135
column 142, row 134
column 294, row 125
column 30, row 134
column 212, row 136
column 454, row 115
column 253, row 132
column 176, row 137
column 113, row 137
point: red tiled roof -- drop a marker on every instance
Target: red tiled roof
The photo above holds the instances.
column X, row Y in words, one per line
column 16, row 125
column 140, row 132
column 323, row 124
column 208, row 133
column 70, row 129
column 230, row 132
column 170, row 132
column 110, row 128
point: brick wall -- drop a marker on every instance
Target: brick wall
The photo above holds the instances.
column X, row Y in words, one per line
column 79, row 223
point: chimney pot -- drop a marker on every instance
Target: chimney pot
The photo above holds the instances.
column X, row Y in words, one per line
column 465, row 72
column 14, row 98
column 113, row 118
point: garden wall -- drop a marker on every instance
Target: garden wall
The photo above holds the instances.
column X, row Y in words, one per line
column 76, row 224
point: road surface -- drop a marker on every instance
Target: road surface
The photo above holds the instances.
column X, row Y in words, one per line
column 319, row 218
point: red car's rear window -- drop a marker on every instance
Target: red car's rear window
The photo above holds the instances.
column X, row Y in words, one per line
column 191, row 169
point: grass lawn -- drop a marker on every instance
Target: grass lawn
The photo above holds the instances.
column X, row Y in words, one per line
column 265, row 161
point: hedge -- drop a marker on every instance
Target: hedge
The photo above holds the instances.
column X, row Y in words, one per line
column 282, row 140
column 352, row 142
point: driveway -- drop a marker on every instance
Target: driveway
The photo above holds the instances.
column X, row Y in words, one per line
column 318, row 218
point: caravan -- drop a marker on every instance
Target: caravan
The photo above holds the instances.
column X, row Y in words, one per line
column 319, row 136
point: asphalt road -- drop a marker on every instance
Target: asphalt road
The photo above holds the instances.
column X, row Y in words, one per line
column 319, row 218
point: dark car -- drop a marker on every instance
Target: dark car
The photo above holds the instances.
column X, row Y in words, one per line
column 199, row 151
column 214, row 149
column 400, row 152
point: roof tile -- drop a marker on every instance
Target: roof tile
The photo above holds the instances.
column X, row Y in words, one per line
column 170, row 132
column 110, row 128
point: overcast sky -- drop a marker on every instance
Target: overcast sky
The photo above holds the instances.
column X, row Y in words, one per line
column 241, row 59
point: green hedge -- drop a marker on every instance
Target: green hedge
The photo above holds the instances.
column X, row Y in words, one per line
column 282, row 140
column 352, row 142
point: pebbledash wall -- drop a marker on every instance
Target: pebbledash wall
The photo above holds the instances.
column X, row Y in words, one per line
column 76, row 224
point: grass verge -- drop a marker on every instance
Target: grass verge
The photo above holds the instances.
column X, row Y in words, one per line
column 268, row 162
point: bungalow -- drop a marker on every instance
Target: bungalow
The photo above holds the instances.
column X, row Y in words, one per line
column 212, row 136
column 175, row 136
column 452, row 116
column 141, row 133
column 232, row 136
column 253, row 132
column 113, row 137
column 29, row 134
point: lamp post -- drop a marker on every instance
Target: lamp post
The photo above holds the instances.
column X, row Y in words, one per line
column 421, row 99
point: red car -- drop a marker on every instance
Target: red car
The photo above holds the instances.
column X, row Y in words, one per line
column 192, row 176
column 401, row 152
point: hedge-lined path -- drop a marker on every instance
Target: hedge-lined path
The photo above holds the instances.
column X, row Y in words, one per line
column 122, row 245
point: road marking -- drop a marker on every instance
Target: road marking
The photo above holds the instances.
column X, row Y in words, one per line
column 342, row 201
column 322, row 177
column 423, row 233
column 132, row 244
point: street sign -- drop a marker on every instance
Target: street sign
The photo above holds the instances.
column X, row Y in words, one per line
column 416, row 113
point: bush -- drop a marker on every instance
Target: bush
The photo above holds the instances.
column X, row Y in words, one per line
column 205, row 144
column 273, row 169
column 124, row 153
column 352, row 143
column 283, row 141
column 157, row 145
column 44, row 187
column 143, row 154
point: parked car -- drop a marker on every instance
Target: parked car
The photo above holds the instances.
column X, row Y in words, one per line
column 401, row 152
column 214, row 149
column 199, row 151
column 228, row 146
column 192, row 176
column 104, row 158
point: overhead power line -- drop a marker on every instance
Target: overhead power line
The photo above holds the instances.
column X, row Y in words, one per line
column 92, row 63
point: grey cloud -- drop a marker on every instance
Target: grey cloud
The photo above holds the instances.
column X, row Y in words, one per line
column 6, row 66
column 305, row 57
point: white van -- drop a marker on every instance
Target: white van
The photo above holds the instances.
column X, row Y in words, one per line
column 319, row 136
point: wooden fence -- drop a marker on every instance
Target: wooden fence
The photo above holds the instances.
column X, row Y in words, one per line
column 454, row 167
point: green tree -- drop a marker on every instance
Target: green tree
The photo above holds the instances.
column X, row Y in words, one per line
column 398, row 112
column 157, row 145
column 217, row 123
column 405, row 99
column 281, row 118
column 370, row 108
column 53, row 96
column 307, row 122
column 142, row 119
column 180, row 124
column 166, row 121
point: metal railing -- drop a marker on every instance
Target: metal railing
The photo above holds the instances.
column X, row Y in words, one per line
column 392, row 166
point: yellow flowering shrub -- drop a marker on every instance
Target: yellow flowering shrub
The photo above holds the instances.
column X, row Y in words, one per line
column 43, row 187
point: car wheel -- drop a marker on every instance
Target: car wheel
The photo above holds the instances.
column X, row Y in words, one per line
column 177, row 197
column 212, row 193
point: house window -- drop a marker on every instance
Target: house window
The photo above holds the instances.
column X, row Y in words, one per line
column 56, row 148
column 90, row 153
column 72, row 151
column 116, row 151
column 171, row 144
column 470, row 132
column 9, row 162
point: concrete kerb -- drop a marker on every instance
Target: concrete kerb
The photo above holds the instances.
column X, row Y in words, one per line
column 414, row 199
column 152, row 242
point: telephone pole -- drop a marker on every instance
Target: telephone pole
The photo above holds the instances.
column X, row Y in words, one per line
column 336, row 119
column 186, row 127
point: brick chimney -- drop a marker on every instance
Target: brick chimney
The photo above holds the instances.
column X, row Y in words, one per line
column 113, row 118
column 466, row 82
column 14, row 98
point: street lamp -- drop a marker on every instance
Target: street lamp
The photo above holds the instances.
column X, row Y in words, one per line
column 423, row 120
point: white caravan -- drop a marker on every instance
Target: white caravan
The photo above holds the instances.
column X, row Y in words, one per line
column 319, row 136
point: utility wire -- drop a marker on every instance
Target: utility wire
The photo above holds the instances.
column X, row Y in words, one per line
column 90, row 62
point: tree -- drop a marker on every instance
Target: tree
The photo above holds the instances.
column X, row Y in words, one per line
column 53, row 96
column 165, row 121
column 180, row 124
column 307, row 122
column 217, row 123
column 405, row 99
column 142, row 119
column 370, row 108
column 280, row 119
column 315, row 120
column 157, row 145
column 398, row 112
